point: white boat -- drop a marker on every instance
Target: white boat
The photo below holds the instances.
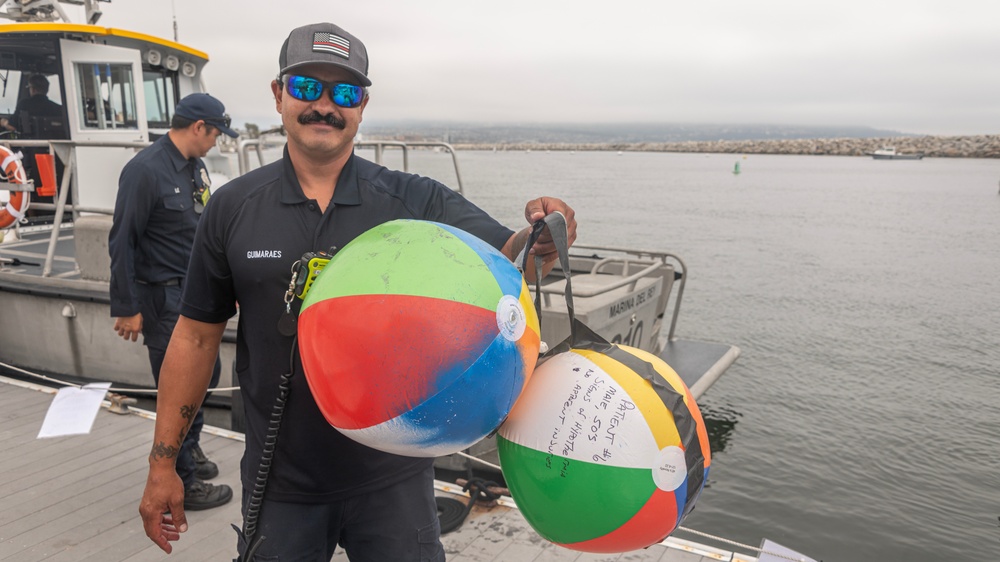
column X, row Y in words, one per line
column 890, row 153
column 118, row 89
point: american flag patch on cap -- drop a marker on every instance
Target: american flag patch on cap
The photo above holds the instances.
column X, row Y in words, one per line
column 330, row 43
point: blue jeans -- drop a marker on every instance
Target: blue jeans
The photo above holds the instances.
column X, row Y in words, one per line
column 397, row 524
column 160, row 310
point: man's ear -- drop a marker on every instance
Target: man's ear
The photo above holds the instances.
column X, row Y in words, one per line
column 201, row 127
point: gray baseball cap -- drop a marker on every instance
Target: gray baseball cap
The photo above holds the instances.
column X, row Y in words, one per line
column 324, row 43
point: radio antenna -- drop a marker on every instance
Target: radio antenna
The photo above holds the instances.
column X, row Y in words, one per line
column 173, row 8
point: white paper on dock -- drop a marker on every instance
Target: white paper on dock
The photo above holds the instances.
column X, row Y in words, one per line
column 73, row 410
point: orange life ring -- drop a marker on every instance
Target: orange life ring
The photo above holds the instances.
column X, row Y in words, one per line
column 14, row 209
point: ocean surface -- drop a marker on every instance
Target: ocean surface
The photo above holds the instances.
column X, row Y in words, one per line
column 862, row 421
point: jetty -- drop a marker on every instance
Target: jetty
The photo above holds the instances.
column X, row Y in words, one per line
column 976, row 146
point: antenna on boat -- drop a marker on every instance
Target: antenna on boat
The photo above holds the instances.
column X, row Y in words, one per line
column 173, row 8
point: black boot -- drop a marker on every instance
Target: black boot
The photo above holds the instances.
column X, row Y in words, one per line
column 204, row 469
column 202, row 495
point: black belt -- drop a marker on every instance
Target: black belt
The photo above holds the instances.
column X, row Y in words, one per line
column 168, row 283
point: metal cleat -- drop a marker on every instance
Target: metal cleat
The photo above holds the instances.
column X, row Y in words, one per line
column 120, row 403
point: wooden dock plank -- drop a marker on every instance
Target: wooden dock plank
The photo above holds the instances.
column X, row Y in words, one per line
column 60, row 488
column 50, row 480
column 104, row 439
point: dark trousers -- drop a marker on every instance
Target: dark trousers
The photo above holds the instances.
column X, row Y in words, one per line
column 160, row 310
column 398, row 524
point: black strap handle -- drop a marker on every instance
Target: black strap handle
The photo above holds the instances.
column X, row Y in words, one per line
column 556, row 222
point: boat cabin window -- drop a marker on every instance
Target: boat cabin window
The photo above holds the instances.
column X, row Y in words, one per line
column 107, row 96
column 31, row 118
column 160, row 89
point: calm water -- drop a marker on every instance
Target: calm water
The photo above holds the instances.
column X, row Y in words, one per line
column 862, row 422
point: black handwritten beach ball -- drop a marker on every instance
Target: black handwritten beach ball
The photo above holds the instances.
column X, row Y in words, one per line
column 605, row 451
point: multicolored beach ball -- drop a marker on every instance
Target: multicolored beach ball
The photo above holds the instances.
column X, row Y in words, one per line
column 417, row 338
column 596, row 458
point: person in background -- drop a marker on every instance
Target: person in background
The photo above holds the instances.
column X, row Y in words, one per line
column 37, row 104
column 324, row 489
column 162, row 192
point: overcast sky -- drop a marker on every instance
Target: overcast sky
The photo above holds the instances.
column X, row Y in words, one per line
column 926, row 67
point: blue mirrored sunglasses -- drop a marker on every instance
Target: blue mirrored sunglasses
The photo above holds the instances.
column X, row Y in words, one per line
column 306, row 88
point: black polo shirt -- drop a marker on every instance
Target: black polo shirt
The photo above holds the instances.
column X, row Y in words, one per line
column 252, row 231
column 154, row 222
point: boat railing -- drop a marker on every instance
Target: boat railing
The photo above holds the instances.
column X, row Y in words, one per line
column 244, row 146
column 65, row 150
column 653, row 263
column 256, row 144
column 380, row 145
column 628, row 279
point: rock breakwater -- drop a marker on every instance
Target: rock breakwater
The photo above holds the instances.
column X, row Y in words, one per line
column 978, row 146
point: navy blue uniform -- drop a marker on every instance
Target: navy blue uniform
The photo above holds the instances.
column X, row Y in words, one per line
column 150, row 245
column 154, row 224
column 252, row 231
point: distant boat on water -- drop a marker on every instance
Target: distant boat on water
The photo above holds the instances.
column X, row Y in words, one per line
column 890, row 153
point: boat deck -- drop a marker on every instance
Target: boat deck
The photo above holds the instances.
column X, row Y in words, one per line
column 76, row 499
column 31, row 249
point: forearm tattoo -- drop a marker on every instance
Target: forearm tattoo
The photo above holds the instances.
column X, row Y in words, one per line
column 188, row 412
column 163, row 451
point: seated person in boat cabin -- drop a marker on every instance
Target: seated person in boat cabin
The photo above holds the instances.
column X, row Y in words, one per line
column 37, row 104
column 323, row 489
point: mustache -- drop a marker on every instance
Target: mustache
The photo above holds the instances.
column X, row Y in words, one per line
column 317, row 117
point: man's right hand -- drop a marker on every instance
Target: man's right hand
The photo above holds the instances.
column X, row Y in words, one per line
column 162, row 507
column 129, row 327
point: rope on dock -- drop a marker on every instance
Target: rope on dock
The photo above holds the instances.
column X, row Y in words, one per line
column 112, row 389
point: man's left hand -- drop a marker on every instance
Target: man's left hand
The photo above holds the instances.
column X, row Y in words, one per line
column 129, row 327
column 538, row 209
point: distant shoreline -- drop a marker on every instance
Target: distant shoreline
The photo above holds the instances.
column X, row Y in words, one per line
column 978, row 146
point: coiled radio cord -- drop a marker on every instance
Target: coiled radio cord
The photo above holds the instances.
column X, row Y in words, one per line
column 249, row 531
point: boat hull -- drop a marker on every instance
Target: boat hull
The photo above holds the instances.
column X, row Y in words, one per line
column 61, row 324
column 67, row 331
column 897, row 156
